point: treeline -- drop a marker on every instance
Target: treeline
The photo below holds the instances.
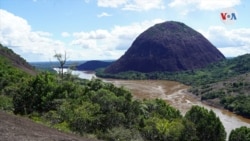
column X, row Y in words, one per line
column 233, row 96
column 213, row 73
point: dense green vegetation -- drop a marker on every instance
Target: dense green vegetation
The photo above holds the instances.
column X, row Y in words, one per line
column 233, row 94
column 225, row 84
column 240, row 134
column 107, row 112
column 10, row 77
column 207, row 124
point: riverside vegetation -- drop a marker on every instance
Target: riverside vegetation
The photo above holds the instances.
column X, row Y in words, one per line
column 225, row 84
column 97, row 109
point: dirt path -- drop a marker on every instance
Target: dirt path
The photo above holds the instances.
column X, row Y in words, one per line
column 15, row 128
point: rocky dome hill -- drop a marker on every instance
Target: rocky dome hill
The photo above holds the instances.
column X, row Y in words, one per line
column 170, row 46
column 93, row 65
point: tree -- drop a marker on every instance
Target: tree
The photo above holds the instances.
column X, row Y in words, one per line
column 161, row 129
column 35, row 94
column 240, row 134
column 208, row 126
column 62, row 60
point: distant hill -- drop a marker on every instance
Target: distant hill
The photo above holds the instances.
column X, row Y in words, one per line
column 93, row 65
column 169, row 46
column 15, row 60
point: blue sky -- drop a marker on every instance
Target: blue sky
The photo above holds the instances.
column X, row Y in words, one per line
column 105, row 29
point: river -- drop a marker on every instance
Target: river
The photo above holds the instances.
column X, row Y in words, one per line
column 175, row 94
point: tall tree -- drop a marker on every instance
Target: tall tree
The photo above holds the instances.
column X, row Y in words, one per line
column 208, row 126
column 62, row 59
column 240, row 134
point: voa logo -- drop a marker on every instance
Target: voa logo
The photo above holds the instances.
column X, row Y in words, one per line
column 228, row 16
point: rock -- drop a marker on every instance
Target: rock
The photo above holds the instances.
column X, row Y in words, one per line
column 93, row 65
column 169, row 46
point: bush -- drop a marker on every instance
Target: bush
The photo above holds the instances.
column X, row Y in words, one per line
column 208, row 126
column 6, row 103
column 35, row 94
column 240, row 134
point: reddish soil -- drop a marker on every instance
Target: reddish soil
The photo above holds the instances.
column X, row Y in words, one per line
column 16, row 128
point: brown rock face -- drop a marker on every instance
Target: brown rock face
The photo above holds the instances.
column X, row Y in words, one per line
column 169, row 46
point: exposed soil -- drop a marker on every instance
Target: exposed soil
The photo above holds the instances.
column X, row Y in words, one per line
column 16, row 128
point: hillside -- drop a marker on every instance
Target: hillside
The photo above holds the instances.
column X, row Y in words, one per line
column 16, row 128
column 15, row 72
column 232, row 94
column 93, row 65
column 15, row 60
column 169, row 46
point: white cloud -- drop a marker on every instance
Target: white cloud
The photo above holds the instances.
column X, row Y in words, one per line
column 132, row 5
column 21, row 38
column 103, row 14
column 111, row 3
column 65, row 34
column 144, row 5
column 186, row 6
column 40, row 45
column 114, row 41
column 231, row 42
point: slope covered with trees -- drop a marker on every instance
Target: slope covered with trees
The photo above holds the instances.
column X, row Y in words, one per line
column 15, row 60
column 107, row 112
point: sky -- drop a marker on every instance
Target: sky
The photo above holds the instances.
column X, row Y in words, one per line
column 105, row 29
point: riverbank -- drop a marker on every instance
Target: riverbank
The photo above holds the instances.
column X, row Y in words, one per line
column 177, row 95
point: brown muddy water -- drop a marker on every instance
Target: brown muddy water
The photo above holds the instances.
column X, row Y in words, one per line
column 176, row 94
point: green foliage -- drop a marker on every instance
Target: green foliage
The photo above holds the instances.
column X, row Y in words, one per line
column 160, row 109
column 240, row 134
column 208, row 126
column 122, row 134
column 162, row 129
column 35, row 94
column 6, row 103
column 237, row 104
column 10, row 78
column 95, row 107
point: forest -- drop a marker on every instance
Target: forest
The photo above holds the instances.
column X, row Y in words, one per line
column 95, row 109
